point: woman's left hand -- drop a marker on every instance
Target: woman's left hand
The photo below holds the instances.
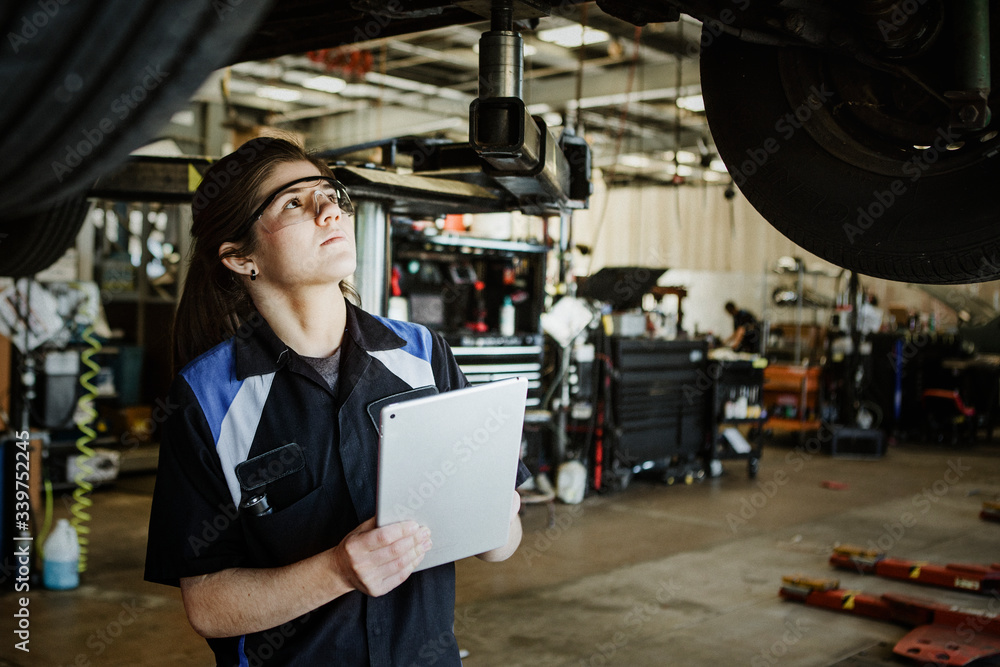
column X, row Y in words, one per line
column 514, row 536
column 515, row 506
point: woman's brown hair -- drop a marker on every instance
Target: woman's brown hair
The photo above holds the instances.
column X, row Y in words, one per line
column 215, row 302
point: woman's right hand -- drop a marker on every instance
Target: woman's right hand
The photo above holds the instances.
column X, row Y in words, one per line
column 376, row 560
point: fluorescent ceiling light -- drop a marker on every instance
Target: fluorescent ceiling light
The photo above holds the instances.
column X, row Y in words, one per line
column 719, row 166
column 684, row 170
column 571, row 36
column 361, row 90
column 691, row 102
column 635, row 161
column 400, row 83
column 712, row 176
column 686, row 157
column 261, row 70
column 553, row 119
column 324, row 83
column 279, row 94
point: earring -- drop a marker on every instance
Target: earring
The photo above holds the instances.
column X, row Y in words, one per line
column 253, row 274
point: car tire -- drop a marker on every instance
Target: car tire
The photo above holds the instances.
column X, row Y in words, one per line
column 865, row 208
column 31, row 244
column 87, row 82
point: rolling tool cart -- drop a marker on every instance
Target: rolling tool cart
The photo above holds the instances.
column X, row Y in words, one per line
column 737, row 401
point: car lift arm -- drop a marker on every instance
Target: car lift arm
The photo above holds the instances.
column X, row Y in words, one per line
column 966, row 577
column 942, row 634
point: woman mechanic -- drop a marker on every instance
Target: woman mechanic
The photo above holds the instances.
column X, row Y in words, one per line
column 263, row 511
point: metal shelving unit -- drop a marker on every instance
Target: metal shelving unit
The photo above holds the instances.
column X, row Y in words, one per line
column 483, row 355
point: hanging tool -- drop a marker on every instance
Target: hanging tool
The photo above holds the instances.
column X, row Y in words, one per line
column 942, row 634
column 964, row 577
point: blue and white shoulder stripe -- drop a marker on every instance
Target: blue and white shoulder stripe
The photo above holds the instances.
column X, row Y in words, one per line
column 412, row 362
column 232, row 407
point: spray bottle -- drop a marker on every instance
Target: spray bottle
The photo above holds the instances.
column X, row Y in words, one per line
column 507, row 317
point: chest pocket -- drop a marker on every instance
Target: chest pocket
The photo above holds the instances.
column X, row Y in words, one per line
column 375, row 408
column 289, row 534
column 256, row 474
column 294, row 526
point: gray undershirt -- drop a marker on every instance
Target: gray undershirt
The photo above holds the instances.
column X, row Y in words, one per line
column 327, row 367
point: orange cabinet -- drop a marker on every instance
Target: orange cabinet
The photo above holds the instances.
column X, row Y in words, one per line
column 791, row 397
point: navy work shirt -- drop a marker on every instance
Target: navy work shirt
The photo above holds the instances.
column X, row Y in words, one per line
column 250, row 416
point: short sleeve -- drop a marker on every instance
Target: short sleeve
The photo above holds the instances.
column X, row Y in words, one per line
column 523, row 474
column 194, row 528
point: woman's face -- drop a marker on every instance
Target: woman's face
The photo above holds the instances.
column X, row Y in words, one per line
column 303, row 236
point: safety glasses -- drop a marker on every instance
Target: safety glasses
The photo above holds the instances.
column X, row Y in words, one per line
column 302, row 200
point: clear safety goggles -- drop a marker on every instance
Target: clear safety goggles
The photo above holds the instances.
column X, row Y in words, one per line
column 302, row 200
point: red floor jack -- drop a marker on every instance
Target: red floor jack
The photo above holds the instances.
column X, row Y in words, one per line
column 942, row 634
column 974, row 578
column 991, row 511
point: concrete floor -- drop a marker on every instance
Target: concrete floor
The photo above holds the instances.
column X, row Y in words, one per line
column 653, row 575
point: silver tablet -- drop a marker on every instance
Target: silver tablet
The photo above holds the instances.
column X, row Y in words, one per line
column 449, row 462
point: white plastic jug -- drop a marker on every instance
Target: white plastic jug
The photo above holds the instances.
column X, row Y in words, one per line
column 571, row 482
column 62, row 558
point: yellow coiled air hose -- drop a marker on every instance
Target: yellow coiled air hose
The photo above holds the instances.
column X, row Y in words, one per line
column 81, row 501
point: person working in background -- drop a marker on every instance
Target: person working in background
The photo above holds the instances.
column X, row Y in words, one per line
column 746, row 330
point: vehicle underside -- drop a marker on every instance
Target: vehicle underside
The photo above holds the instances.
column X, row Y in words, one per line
column 861, row 130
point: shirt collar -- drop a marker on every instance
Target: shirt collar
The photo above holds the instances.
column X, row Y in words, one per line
column 259, row 350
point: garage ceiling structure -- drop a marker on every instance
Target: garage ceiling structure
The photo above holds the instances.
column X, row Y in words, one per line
column 886, row 93
column 633, row 92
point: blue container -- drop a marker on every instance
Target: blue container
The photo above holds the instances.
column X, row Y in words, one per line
column 62, row 558
column 62, row 575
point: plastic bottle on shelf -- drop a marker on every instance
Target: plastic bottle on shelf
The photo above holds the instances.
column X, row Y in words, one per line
column 507, row 317
column 62, row 558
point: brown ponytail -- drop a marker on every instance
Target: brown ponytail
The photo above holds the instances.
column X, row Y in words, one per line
column 215, row 303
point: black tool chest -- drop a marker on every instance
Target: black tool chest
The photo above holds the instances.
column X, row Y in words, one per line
column 660, row 405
